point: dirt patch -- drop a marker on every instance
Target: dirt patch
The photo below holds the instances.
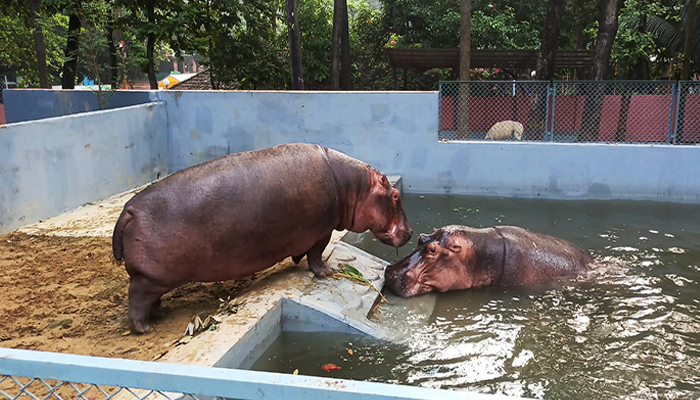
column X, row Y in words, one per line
column 69, row 295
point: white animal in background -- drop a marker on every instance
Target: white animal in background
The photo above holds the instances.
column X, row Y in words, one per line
column 502, row 130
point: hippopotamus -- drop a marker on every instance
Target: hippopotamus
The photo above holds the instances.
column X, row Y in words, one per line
column 459, row 257
column 242, row 213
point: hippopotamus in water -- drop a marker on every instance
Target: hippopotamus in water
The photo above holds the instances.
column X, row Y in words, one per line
column 459, row 257
column 242, row 213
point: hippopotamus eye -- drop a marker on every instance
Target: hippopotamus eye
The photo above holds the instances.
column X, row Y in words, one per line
column 395, row 195
column 432, row 248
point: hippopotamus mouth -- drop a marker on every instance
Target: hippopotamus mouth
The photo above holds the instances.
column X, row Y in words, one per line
column 395, row 237
column 396, row 277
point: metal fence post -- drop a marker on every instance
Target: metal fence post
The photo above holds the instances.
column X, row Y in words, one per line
column 670, row 114
column 678, row 111
column 439, row 109
column 549, row 130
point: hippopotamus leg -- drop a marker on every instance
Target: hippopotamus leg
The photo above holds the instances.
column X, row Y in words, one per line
column 315, row 258
column 297, row 259
column 144, row 297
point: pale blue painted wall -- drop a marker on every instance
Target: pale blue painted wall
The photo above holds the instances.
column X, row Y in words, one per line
column 23, row 105
column 53, row 165
column 397, row 133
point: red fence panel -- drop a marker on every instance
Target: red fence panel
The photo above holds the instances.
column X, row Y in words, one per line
column 647, row 119
column 609, row 118
column 447, row 114
column 568, row 111
column 691, row 118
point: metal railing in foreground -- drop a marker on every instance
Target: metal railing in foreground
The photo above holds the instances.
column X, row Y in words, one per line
column 665, row 112
column 27, row 374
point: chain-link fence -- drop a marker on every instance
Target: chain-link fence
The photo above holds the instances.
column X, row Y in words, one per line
column 687, row 122
column 468, row 110
column 18, row 388
column 35, row 375
column 592, row 111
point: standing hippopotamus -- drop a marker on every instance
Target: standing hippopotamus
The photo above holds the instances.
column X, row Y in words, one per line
column 242, row 213
column 459, row 257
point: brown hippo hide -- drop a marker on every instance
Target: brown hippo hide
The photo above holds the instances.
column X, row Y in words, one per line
column 459, row 257
column 242, row 213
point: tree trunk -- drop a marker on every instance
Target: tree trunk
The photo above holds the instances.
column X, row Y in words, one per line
column 537, row 117
column 335, row 44
column 688, row 46
column 150, row 46
column 465, row 43
column 607, row 30
column 121, row 49
column 43, row 70
column 294, row 45
column 114, row 78
column 580, row 41
column 550, row 39
column 640, row 71
column 212, row 67
column 345, row 70
column 70, row 66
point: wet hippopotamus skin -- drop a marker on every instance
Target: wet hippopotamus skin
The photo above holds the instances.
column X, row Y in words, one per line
column 459, row 257
column 242, row 213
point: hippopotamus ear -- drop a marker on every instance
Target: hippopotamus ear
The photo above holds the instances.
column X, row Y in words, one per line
column 423, row 239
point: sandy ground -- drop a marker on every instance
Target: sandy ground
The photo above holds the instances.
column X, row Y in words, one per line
column 62, row 290
column 69, row 295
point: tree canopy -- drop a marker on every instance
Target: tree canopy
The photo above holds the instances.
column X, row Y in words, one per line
column 245, row 44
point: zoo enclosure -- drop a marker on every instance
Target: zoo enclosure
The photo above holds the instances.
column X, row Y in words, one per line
column 586, row 111
column 34, row 375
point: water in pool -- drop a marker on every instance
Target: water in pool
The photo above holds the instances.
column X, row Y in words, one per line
column 631, row 329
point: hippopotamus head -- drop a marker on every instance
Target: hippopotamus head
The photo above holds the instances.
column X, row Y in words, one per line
column 444, row 260
column 382, row 213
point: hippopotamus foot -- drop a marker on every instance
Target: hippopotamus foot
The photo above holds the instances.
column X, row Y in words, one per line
column 144, row 298
column 298, row 258
column 315, row 259
column 158, row 311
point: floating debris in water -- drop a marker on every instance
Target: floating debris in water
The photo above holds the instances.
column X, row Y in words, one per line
column 330, row 367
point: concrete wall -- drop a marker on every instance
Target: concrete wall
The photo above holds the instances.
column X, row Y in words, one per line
column 23, row 105
column 53, row 165
column 397, row 133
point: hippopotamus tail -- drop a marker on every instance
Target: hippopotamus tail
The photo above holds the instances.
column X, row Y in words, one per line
column 118, row 235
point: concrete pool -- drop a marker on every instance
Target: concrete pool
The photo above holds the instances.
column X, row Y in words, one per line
column 631, row 331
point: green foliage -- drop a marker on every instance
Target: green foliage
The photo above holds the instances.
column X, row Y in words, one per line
column 17, row 50
column 316, row 28
column 368, row 37
column 245, row 43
